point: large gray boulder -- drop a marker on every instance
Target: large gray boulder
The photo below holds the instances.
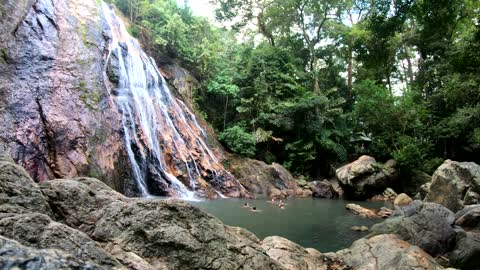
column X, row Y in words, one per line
column 466, row 252
column 455, row 184
column 426, row 225
column 365, row 177
column 13, row 255
column 18, row 193
column 387, row 252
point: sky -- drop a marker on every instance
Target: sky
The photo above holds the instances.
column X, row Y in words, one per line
column 200, row 8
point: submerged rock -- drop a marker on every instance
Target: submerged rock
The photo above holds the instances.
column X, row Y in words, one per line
column 455, row 184
column 385, row 252
column 365, row 177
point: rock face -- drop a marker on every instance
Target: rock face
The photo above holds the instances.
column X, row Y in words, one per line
column 426, row 225
column 467, row 248
column 385, row 252
column 455, row 184
column 60, row 114
column 365, row 177
column 262, row 179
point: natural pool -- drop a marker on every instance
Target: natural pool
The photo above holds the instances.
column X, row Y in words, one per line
column 319, row 223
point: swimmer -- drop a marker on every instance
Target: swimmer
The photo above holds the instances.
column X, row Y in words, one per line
column 273, row 199
column 281, row 205
column 245, row 205
column 254, row 208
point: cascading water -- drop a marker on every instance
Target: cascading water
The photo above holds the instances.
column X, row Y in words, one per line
column 163, row 139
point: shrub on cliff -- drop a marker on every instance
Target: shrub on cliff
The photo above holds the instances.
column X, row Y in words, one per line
column 238, row 141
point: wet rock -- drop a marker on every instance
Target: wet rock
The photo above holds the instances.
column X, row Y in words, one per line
column 13, row 255
column 39, row 231
column 323, row 189
column 402, row 199
column 361, row 211
column 426, row 225
column 365, row 177
column 294, row 257
column 452, row 181
column 387, row 251
column 262, row 179
column 18, row 193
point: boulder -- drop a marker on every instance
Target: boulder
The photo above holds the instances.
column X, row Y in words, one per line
column 323, row 189
column 402, row 199
column 466, row 252
column 169, row 233
column 18, row 193
column 361, row 211
column 262, row 179
column 469, row 217
column 426, row 225
column 455, row 184
column 14, row 255
column 365, row 177
column 294, row 257
column 385, row 252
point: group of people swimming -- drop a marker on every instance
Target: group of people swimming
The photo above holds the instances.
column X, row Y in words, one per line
column 280, row 205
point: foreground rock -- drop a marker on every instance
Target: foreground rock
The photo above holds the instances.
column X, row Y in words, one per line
column 426, row 225
column 455, row 184
column 13, row 255
column 295, row 257
column 18, row 193
column 265, row 180
column 365, row 177
column 385, row 252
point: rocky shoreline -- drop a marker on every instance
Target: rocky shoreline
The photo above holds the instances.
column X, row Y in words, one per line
column 82, row 223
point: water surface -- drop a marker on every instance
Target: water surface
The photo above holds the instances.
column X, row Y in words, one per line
column 319, row 223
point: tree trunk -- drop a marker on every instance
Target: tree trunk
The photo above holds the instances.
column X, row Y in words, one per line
column 350, row 73
column 225, row 113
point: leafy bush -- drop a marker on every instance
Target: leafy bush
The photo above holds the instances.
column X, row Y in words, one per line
column 238, row 141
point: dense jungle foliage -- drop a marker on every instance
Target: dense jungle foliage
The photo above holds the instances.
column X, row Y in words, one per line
column 311, row 84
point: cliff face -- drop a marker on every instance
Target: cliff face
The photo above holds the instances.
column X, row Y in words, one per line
column 59, row 111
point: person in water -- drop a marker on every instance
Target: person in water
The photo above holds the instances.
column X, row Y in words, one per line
column 273, row 199
column 254, row 208
column 281, row 205
column 245, row 205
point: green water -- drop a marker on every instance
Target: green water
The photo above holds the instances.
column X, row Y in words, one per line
column 319, row 223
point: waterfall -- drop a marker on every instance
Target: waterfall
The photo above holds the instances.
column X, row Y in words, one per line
column 162, row 137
